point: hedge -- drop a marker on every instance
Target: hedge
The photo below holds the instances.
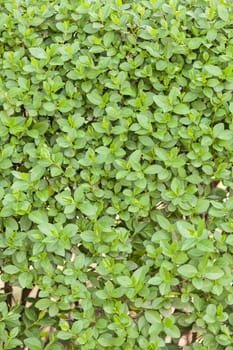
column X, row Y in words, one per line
column 116, row 180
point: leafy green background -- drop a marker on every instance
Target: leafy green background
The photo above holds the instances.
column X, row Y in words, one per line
column 116, row 151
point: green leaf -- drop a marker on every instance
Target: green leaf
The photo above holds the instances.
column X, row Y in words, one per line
column 223, row 339
column 185, row 229
column 195, row 43
column 163, row 222
column 176, row 186
column 124, row 281
column 172, row 331
column 163, row 102
column 5, row 164
column 66, row 105
column 48, row 229
column 218, row 129
column 134, row 160
column 38, row 52
column 43, row 304
column 105, row 340
column 152, row 316
column 187, row 270
column 205, row 246
column 88, row 209
column 229, row 240
column 108, row 38
column 38, row 216
column 64, row 335
column 211, row 34
column 144, row 121
column 190, row 96
column 213, row 273
column 88, row 236
column 181, row 109
column 139, row 275
column 146, row 141
column 156, row 280
column 2, row 192
column 49, row 106
column 13, row 344
column 25, row 279
column 37, row 172
column 223, row 12
column 153, row 169
column 10, row 269
column 95, row 98
column 3, row 308
column 202, row 205
column 213, row 70
column 74, row 75
column 33, row 343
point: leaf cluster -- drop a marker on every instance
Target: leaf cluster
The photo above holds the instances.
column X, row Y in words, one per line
column 116, row 151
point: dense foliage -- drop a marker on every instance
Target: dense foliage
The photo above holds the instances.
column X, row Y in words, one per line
column 116, row 139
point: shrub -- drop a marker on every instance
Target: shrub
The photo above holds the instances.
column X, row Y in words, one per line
column 116, row 141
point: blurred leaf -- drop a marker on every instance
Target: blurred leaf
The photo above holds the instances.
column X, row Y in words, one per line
column 187, row 270
column 213, row 273
column 38, row 52
column 33, row 343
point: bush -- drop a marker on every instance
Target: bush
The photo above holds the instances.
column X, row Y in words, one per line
column 116, row 141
